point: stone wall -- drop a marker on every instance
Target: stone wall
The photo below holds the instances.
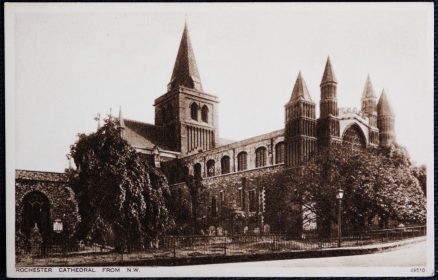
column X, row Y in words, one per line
column 268, row 141
column 233, row 201
column 54, row 186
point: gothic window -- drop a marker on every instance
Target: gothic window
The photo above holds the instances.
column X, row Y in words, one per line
column 253, row 201
column 225, row 164
column 204, row 113
column 279, row 152
column 213, row 206
column 354, row 137
column 194, row 111
column 197, row 170
column 261, row 157
column 242, row 161
column 36, row 211
column 210, row 168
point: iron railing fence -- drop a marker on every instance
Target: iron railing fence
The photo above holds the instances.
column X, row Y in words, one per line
column 197, row 246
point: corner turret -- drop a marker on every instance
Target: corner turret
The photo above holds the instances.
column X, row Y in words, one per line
column 300, row 125
column 385, row 121
column 328, row 123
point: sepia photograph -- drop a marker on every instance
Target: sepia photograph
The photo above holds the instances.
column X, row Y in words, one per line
column 219, row 139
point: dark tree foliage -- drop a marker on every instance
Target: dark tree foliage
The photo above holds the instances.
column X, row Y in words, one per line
column 121, row 197
column 196, row 190
column 376, row 183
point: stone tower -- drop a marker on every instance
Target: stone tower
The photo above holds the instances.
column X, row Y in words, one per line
column 369, row 110
column 328, row 123
column 187, row 115
column 385, row 121
column 300, row 122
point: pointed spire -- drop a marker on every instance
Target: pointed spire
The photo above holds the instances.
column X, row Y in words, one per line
column 121, row 121
column 185, row 72
column 300, row 90
column 368, row 91
column 383, row 107
column 329, row 75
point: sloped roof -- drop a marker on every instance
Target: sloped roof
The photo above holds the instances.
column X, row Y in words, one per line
column 329, row 74
column 300, row 90
column 185, row 72
column 368, row 91
column 144, row 135
column 383, row 107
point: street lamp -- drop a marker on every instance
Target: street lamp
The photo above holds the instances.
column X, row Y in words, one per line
column 339, row 196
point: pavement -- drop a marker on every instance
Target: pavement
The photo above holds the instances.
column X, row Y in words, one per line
column 408, row 255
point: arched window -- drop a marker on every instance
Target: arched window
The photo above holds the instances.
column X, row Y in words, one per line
column 210, row 168
column 197, row 170
column 204, row 113
column 260, row 157
column 241, row 161
column 279, row 153
column 225, row 164
column 194, row 111
column 354, row 137
column 36, row 211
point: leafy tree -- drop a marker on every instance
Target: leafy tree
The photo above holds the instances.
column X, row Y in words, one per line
column 420, row 172
column 121, row 197
column 196, row 190
column 375, row 183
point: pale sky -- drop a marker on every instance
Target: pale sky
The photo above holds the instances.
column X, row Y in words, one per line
column 74, row 61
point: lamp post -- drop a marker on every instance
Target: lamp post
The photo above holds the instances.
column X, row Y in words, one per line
column 339, row 196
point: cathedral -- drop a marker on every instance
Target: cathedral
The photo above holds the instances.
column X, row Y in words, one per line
column 186, row 133
column 185, row 140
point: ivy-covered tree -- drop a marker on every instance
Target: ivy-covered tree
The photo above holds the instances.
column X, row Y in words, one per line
column 121, row 197
column 376, row 183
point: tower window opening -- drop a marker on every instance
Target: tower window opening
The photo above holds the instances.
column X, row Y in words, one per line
column 204, row 113
column 194, row 111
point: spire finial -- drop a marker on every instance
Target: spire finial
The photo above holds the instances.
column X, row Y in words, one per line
column 383, row 107
column 121, row 121
column 329, row 75
column 185, row 72
column 300, row 90
column 368, row 91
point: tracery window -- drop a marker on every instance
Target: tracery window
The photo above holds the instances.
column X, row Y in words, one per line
column 354, row 136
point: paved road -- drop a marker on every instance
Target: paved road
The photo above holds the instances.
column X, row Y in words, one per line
column 408, row 255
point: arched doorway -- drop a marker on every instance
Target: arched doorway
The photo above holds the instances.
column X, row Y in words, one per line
column 36, row 210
